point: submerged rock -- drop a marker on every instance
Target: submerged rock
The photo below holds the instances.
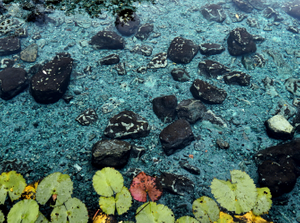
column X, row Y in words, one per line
column 213, row 12
column 279, row 128
column 127, row 22
column 165, row 107
column 107, row 40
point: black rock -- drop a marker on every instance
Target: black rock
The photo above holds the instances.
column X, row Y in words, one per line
column 209, row 49
column 176, row 184
column 243, row 5
column 278, row 167
column 110, row 59
column 176, row 136
column 240, row 42
column 12, row 82
column 213, row 12
column 127, row 124
column 165, row 107
column 137, row 151
column 144, row 31
column 127, row 22
column 87, row 117
column 9, row 45
column 237, row 78
column 191, row 110
column 50, row 83
column 182, row 50
column 107, row 40
column 292, row 8
column 207, row 93
column 210, row 68
column 190, row 168
column 180, row 74
column 110, row 153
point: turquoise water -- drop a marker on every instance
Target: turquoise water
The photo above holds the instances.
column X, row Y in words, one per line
column 38, row 139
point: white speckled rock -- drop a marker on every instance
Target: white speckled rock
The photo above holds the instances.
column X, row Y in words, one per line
column 279, row 128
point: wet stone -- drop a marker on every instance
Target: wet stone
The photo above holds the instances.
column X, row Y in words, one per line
column 210, row 68
column 110, row 59
column 165, row 108
column 110, row 153
column 191, row 110
column 127, row 22
column 142, row 49
column 176, row 136
column 29, row 54
column 293, row 29
column 120, row 68
column 180, row 74
column 127, row 124
column 237, row 78
column 207, row 93
column 211, row 49
column 222, row 144
column 182, row 50
column 107, row 40
column 49, row 84
column 240, row 42
column 214, row 119
column 213, row 12
column 158, row 61
column 190, row 168
column 243, row 5
column 9, row 45
column 144, row 31
column 87, row 117
column 279, row 128
column 12, row 82
column 137, row 151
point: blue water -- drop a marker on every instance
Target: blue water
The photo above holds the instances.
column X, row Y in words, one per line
column 59, row 141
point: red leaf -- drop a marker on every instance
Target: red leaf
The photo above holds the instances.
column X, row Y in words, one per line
column 143, row 184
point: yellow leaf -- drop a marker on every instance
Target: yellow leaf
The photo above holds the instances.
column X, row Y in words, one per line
column 251, row 218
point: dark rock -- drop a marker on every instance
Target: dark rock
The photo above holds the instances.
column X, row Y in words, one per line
column 12, row 82
column 222, row 144
column 165, row 107
column 144, row 31
column 127, row 22
column 120, row 68
column 87, row 117
column 213, row 12
column 210, row 68
column 182, row 50
column 190, row 168
column 127, row 124
column 296, row 120
column 180, row 74
column 243, row 5
column 176, row 184
column 293, row 86
column 107, row 40
column 207, row 93
column 158, row 61
column 142, row 49
column 237, row 78
column 279, row 128
column 50, row 84
column 110, row 153
column 110, row 59
column 240, row 42
column 9, row 45
column 214, row 119
column 293, row 29
column 278, row 167
column 292, row 8
column 37, row 17
column 176, row 136
column 211, row 49
column 137, row 151
column 270, row 12
column 191, row 110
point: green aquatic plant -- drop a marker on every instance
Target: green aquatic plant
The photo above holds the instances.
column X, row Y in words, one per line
column 23, row 211
column 187, row 219
column 205, row 209
column 2, row 218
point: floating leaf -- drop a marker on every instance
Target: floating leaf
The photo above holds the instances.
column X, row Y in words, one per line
column 2, row 218
column 238, row 196
column 154, row 213
column 12, row 183
column 250, row 217
column 41, row 219
column 25, row 211
column 57, row 184
column 123, row 201
column 143, row 184
column 73, row 211
column 187, row 219
column 225, row 218
column 205, row 209
column 263, row 202
column 108, row 181
column 107, row 205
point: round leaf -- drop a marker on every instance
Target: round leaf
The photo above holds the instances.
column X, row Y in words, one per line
column 77, row 212
column 154, row 213
column 123, row 201
column 107, row 205
column 57, row 184
column 108, row 181
column 59, row 214
column 187, row 219
column 206, row 209
column 25, row 211
column 263, row 202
